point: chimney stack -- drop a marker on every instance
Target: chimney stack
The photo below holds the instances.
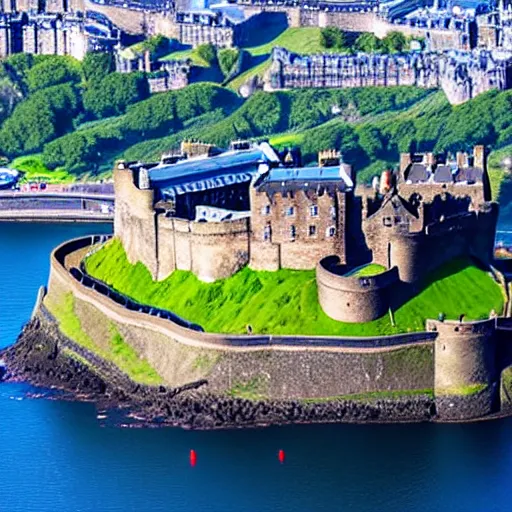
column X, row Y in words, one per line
column 480, row 157
column 462, row 159
column 405, row 161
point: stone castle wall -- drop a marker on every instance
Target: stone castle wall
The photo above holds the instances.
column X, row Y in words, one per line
column 286, row 368
column 211, row 250
column 462, row 77
column 351, row 298
column 134, row 221
column 449, row 357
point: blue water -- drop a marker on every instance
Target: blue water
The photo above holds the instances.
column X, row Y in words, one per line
column 55, row 456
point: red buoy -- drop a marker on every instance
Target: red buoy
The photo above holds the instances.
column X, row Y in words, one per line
column 193, row 458
column 281, row 456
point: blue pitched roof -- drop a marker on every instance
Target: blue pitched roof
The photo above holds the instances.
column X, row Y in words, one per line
column 287, row 174
column 197, row 174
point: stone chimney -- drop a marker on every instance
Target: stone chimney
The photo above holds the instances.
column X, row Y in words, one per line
column 329, row 157
column 147, row 61
column 405, row 161
column 430, row 159
column 462, row 159
column 192, row 148
column 143, row 179
column 480, row 157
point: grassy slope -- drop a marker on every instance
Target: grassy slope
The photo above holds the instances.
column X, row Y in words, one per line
column 305, row 40
column 120, row 353
column 285, row 302
column 34, row 170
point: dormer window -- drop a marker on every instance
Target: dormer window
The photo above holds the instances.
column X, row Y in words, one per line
column 265, row 210
column 290, row 211
column 313, row 210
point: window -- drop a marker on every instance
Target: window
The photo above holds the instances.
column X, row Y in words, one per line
column 293, row 232
column 267, row 232
column 333, row 212
column 331, row 231
column 265, row 210
column 313, row 210
column 387, row 221
column 312, row 230
column 290, row 211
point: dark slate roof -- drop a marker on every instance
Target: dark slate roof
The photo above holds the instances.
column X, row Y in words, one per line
column 470, row 174
column 206, row 173
column 443, row 174
column 417, row 173
column 396, row 205
column 282, row 179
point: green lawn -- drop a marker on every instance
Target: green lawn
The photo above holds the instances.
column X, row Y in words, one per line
column 191, row 54
column 35, row 170
column 372, row 269
column 285, row 302
column 303, row 40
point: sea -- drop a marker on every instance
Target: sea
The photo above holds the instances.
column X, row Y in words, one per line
column 56, row 456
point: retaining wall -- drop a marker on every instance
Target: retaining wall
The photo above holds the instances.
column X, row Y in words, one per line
column 281, row 367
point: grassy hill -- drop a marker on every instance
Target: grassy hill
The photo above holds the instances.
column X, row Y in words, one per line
column 285, row 302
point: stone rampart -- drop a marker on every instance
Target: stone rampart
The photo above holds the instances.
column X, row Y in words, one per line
column 211, row 250
column 458, row 360
column 352, row 298
column 135, row 221
column 278, row 366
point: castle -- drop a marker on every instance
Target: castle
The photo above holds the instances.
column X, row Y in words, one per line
column 462, row 75
column 213, row 212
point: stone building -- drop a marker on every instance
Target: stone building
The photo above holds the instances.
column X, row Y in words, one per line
column 462, row 75
column 56, row 34
column 298, row 216
column 213, row 212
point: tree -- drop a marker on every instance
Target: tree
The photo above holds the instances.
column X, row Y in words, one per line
column 207, row 52
column 394, row 42
column 52, row 72
column 368, row 43
column 112, row 95
column 157, row 45
column 332, row 37
column 46, row 114
column 371, row 141
column 228, row 57
column 97, row 65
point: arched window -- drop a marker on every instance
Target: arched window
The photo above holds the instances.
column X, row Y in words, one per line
column 331, row 231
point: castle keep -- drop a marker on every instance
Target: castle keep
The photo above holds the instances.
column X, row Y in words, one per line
column 214, row 212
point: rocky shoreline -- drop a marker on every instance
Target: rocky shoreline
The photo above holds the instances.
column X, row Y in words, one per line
column 41, row 357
